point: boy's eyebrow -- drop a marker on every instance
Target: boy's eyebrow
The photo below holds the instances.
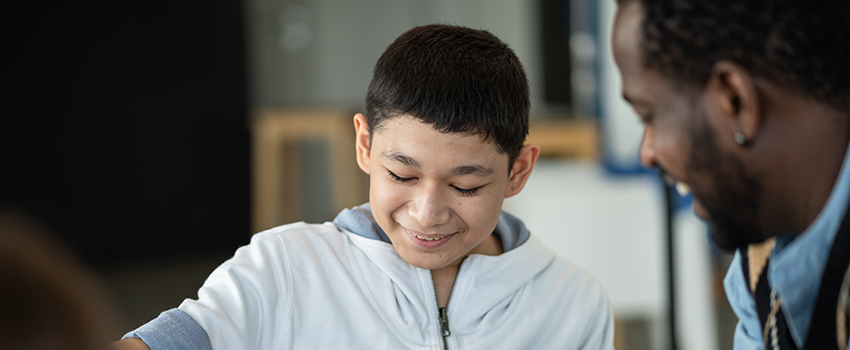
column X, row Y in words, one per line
column 473, row 169
column 476, row 169
column 401, row 158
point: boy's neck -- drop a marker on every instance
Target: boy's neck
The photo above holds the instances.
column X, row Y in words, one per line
column 444, row 277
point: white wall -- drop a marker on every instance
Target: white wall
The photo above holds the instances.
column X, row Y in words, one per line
column 621, row 125
column 613, row 227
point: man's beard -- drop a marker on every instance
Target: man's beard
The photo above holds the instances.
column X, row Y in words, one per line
column 725, row 189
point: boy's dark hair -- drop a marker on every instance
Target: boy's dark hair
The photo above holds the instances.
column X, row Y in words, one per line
column 800, row 45
column 457, row 79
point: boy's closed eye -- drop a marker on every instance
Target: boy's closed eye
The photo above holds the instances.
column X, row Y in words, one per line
column 462, row 191
column 467, row 192
column 399, row 178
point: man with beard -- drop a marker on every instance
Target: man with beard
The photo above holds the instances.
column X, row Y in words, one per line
column 747, row 103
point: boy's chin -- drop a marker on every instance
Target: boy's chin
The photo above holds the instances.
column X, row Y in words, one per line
column 425, row 262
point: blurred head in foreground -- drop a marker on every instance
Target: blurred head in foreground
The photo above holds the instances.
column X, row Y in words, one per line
column 48, row 300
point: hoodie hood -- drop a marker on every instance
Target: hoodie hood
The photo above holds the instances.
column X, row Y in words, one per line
column 359, row 220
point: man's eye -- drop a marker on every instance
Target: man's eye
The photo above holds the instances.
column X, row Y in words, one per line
column 399, row 178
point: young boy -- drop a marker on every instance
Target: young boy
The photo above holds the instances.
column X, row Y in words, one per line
column 431, row 262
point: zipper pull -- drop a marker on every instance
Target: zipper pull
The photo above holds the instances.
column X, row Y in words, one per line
column 444, row 322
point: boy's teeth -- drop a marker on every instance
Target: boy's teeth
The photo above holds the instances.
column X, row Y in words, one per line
column 427, row 239
column 683, row 189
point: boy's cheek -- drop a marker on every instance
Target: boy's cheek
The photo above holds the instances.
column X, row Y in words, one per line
column 384, row 196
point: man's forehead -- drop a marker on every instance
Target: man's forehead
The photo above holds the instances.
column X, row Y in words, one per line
column 626, row 46
column 628, row 35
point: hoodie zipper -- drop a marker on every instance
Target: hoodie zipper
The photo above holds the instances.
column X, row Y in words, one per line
column 443, row 312
column 444, row 326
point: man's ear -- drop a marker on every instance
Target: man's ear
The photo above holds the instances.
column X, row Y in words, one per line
column 362, row 142
column 732, row 91
column 522, row 168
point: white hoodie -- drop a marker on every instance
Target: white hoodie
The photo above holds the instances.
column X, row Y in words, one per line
column 342, row 285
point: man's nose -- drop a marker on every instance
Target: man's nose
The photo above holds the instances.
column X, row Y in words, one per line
column 429, row 208
column 646, row 153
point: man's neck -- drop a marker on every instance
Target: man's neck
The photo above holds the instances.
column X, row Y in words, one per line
column 798, row 156
column 757, row 255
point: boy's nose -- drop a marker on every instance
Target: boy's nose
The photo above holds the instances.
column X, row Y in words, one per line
column 428, row 208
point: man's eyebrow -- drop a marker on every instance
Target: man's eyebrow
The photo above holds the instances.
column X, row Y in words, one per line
column 473, row 169
column 401, row 158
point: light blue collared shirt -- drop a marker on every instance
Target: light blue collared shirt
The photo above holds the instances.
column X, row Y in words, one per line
column 795, row 271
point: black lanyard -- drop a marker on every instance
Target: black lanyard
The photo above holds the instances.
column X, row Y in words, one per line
column 823, row 329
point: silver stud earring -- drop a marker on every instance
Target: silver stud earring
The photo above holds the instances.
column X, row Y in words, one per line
column 740, row 138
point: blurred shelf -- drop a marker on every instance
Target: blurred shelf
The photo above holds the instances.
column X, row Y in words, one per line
column 565, row 138
column 278, row 174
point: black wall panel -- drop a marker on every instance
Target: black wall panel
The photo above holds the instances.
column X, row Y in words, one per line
column 125, row 127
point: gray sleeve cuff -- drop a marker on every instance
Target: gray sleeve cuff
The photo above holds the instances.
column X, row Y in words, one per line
column 173, row 329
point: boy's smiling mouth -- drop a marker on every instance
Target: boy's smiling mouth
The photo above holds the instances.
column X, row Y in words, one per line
column 428, row 241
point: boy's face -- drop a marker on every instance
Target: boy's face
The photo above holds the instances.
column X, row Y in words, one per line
column 437, row 196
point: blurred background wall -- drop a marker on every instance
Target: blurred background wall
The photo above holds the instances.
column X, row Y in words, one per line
column 134, row 129
column 323, row 51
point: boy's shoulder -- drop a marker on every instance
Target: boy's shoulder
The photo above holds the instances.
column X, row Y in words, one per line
column 297, row 237
column 581, row 281
column 561, row 269
column 270, row 256
column 295, row 229
column 563, row 275
column 298, row 230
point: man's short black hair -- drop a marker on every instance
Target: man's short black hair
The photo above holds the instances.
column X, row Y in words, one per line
column 802, row 46
column 458, row 79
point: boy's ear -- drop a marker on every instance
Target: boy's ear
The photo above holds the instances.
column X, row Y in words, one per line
column 362, row 142
column 522, row 168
